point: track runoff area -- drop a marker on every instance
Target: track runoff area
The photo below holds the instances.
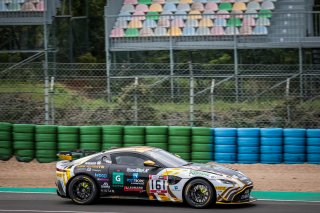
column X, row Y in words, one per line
column 44, row 200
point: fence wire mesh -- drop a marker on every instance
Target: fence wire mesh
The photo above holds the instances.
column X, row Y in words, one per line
column 159, row 94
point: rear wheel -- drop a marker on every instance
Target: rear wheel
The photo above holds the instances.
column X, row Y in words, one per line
column 199, row 193
column 82, row 190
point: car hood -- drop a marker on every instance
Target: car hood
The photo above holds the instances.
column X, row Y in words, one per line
column 218, row 170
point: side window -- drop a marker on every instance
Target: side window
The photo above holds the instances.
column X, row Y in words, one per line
column 129, row 159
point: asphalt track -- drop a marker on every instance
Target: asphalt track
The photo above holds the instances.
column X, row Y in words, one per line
column 47, row 203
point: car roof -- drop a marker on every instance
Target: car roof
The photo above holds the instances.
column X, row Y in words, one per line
column 140, row 149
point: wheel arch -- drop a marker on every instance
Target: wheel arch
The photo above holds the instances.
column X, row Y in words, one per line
column 203, row 178
column 85, row 174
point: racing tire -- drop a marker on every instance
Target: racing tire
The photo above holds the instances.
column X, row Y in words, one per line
column 202, row 147
column 67, row 146
column 179, row 131
column 5, row 136
column 179, row 140
column 201, row 131
column 68, row 130
column 198, row 193
column 271, row 132
column 313, row 133
column 90, row 138
column 114, row 139
column 225, row 132
column 5, row 127
column 5, row 144
column 91, row 146
column 201, row 139
column 112, row 130
column 134, row 130
column 24, row 128
column 225, row 140
column 46, row 145
column 87, row 194
column 134, row 139
column 163, row 146
column 46, row 137
column 66, row 138
column 156, row 138
column 248, row 132
column 90, row 130
column 156, row 130
column 46, row 129
column 107, row 146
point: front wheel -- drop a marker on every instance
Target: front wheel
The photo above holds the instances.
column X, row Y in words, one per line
column 82, row 190
column 199, row 193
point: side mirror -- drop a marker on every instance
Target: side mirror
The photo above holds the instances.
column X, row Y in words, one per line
column 149, row 163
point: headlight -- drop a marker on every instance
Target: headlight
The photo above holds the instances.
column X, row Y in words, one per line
column 173, row 180
column 229, row 182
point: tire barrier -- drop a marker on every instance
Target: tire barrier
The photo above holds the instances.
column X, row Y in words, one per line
column 134, row 136
column 198, row 144
column 248, row 145
column 68, row 138
column 294, row 146
column 271, row 145
column 90, row 138
column 225, row 145
column 46, row 143
column 112, row 136
column 23, row 142
column 313, row 146
column 202, row 147
column 157, row 136
column 180, row 141
column 6, row 149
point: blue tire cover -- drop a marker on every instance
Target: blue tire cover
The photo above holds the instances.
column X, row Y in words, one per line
column 248, row 142
column 225, row 132
column 248, row 158
column 295, row 133
column 225, row 141
column 271, row 158
column 271, row 141
column 248, row 132
column 294, row 141
column 225, row 157
column 294, row 149
column 313, row 158
column 225, row 148
column 313, row 149
column 313, row 141
column 271, row 132
column 248, row 150
column 313, row 133
column 271, row 149
column 294, row 158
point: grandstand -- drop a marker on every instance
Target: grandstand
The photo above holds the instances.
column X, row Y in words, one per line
column 210, row 24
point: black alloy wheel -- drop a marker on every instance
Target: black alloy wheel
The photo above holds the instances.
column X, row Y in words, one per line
column 199, row 193
column 82, row 190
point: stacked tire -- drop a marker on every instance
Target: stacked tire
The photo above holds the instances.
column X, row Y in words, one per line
column 202, row 147
column 134, row 136
column 68, row 138
column 313, row 146
column 112, row 136
column 271, row 145
column 157, row 136
column 225, row 145
column 248, row 144
column 5, row 141
column 90, row 138
column 180, row 141
column 23, row 142
column 294, row 146
column 46, row 143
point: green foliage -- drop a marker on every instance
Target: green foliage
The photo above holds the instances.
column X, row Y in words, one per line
column 87, row 58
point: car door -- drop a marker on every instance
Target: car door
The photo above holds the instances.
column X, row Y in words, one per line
column 129, row 175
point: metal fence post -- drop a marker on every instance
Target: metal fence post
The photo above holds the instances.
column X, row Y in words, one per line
column 135, row 96
column 45, row 63
column 52, row 100
column 191, row 109
column 288, row 104
column 212, row 100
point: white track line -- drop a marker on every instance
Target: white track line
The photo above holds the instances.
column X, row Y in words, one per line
column 289, row 200
column 50, row 193
column 43, row 211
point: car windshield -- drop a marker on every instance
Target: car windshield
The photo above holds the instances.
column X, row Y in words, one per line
column 167, row 159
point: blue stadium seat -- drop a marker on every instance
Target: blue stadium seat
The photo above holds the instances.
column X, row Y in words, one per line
column 170, row 7
column 3, row 7
column 192, row 23
column 220, row 22
column 149, row 23
column 189, row 31
column 260, row 30
column 203, row 31
column 160, row 31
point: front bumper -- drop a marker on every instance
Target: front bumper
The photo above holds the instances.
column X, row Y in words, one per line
column 250, row 200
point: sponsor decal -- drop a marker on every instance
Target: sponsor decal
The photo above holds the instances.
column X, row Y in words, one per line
column 158, row 184
column 139, row 170
column 107, row 190
column 135, row 179
column 198, row 173
column 90, row 163
column 91, row 166
column 176, row 188
column 102, row 179
column 117, row 179
column 60, row 174
column 220, row 188
column 133, row 188
column 105, row 185
column 100, row 175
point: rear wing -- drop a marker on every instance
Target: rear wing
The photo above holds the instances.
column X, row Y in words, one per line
column 76, row 154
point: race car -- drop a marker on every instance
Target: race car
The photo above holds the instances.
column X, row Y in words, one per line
column 149, row 173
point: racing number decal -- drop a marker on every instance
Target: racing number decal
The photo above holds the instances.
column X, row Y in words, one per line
column 158, row 184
